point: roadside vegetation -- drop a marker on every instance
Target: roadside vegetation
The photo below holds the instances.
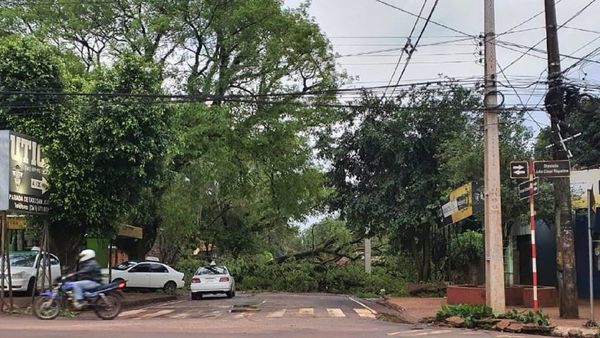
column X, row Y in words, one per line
column 219, row 130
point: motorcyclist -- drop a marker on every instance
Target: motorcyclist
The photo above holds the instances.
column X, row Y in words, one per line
column 88, row 275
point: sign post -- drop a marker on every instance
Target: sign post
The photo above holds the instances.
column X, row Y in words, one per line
column 533, row 170
column 532, row 225
column 591, row 207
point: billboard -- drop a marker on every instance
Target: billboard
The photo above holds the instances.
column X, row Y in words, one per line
column 23, row 175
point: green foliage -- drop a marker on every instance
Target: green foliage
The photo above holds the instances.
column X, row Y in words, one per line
column 466, row 248
column 303, row 276
column 400, row 265
column 386, row 169
column 470, row 313
column 188, row 265
column 528, row 317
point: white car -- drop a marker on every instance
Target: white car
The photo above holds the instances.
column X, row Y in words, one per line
column 23, row 269
column 211, row 280
column 152, row 275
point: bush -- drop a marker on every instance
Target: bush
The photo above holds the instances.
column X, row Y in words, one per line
column 469, row 313
column 467, row 248
column 528, row 317
column 472, row 313
column 188, row 266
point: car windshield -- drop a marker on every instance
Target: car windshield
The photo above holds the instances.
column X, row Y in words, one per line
column 212, row 270
column 23, row 259
column 124, row 265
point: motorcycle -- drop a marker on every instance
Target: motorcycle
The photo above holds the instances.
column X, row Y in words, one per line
column 105, row 300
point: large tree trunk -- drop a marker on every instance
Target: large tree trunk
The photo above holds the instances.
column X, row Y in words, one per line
column 66, row 242
column 422, row 253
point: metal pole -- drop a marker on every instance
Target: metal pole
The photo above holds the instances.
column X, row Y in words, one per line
column 110, row 262
column 47, row 249
column 591, row 252
column 3, row 262
column 367, row 255
column 494, row 255
column 10, row 290
column 532, row 225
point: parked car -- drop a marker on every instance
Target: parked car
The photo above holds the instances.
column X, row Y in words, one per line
column 146, row 274
column 212, row 279
column 23, row 269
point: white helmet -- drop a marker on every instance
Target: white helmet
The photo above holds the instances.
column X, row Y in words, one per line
column 86, row 255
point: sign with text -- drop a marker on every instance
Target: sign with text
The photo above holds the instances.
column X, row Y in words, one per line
column 558, row 168
column 126, row 230
column 524, row 188
column 23, row 170
column 459, row 206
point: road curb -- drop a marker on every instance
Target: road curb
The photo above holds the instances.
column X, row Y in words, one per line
column 399, row 311
column 147, row 301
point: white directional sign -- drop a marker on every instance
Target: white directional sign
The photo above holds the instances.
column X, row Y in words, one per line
column 519, row 169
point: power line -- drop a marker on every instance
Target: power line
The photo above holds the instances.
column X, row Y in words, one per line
column 544, row 39
column 416, row 43
column 584, row 59
column 515, row 90
column 408, row 43
column 541, row 51
column 425, row 54
column 420, row 17
column 512, row 29
column 582, row 29
column 401, row 48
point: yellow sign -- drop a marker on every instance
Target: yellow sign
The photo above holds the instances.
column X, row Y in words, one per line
column 581, row 181
column 460, row 204
column 16, row 223
column 126, row 230
column 464, row 202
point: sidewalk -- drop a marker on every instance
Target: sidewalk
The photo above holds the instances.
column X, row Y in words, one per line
column 416, row 309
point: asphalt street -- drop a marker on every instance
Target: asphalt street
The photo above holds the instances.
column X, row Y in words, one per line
column 248, row 315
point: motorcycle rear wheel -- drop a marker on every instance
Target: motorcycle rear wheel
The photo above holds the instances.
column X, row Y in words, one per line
column 108, row 307
column 46, row 308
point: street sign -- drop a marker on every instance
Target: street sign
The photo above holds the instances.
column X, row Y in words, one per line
column 23, row 175
column 524, row 189
column 519, row 169
column 558, row 168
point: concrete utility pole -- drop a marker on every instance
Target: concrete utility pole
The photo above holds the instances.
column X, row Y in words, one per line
column 494, row 260
column 368, row 255
column 565, row 244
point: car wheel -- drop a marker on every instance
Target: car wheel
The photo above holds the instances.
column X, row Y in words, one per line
column 230, row 294
column 196, row 296
column 170, row 288
column 31, row 286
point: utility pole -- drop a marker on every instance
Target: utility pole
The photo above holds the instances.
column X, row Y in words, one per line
column 565, row 243
column 494, row 260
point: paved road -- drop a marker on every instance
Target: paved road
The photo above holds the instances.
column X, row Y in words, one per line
column 261, row 315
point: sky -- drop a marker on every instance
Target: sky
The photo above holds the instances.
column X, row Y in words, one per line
column 358, row 26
